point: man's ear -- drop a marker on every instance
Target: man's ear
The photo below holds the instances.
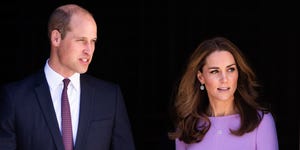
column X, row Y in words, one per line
column 55, row 37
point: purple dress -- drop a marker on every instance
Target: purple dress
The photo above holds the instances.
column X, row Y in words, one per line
column 264, row 137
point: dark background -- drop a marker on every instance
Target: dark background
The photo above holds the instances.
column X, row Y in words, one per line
column 143, row 46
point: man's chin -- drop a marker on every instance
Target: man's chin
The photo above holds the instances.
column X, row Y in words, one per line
column 81, row 71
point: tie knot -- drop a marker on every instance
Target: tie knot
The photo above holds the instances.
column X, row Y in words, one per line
column 66, row 82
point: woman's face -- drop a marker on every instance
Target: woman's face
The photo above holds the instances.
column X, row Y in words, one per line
column 220, row 76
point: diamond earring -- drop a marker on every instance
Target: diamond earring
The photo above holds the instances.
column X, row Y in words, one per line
column 202, row 87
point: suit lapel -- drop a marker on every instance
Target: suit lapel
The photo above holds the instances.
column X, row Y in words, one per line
column 44, row 99
column 86, row 101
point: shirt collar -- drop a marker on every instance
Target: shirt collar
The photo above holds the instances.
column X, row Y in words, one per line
column 54, row 79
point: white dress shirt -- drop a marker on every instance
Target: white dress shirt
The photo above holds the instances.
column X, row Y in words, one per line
column 55, row 82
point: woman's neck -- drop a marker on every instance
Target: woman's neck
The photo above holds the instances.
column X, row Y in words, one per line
column 221, row 109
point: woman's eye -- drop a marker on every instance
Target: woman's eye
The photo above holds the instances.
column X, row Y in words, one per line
column 231, row 69
column 214, row 71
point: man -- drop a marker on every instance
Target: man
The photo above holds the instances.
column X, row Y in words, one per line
column 32, row 112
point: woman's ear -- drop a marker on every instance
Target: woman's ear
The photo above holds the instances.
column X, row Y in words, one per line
column 55, row 37
column 200, row 77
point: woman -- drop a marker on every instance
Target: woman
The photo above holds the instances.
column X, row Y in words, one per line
column 216, row 103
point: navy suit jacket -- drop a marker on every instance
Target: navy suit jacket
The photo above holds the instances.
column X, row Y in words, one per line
column 28, row 120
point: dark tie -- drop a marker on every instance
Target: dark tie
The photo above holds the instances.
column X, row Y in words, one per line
column 66, row 122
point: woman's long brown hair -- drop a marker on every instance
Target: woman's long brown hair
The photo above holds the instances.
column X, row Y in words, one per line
column 190, row 103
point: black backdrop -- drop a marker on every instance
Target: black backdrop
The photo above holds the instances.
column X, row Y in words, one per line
column 143, row 46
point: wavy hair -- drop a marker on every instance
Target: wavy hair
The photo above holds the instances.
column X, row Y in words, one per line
column 190, row 103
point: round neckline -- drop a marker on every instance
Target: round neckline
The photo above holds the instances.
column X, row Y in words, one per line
column 227, row 116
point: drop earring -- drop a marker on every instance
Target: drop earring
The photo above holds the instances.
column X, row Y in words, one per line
column 202, row 87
